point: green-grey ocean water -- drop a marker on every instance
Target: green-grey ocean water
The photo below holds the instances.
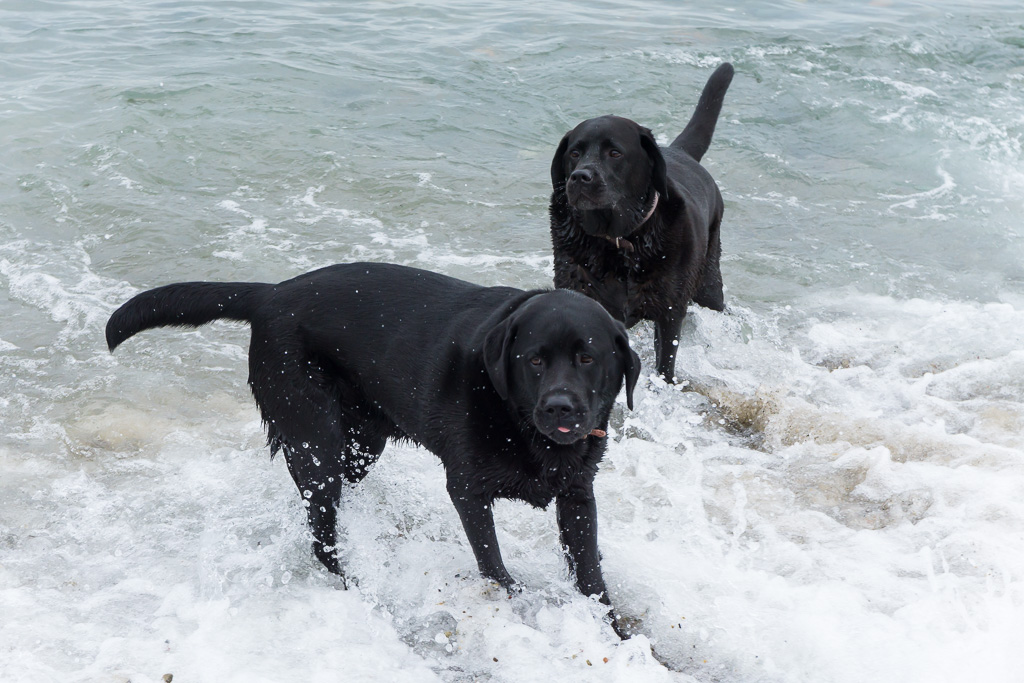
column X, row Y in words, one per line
column 839, row 499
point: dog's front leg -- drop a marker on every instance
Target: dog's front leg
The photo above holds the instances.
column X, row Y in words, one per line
column 666, row 342
column 577, row 530
column 478, row 521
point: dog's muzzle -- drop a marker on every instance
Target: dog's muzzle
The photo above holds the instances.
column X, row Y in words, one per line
column 586, row 191
column 561, row 417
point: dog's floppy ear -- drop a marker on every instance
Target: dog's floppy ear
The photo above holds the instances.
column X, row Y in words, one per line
column 631, row 363
column 496, row 346
column 558, row 164
column 659, row 174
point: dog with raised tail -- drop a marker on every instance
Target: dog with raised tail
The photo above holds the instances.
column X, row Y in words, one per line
column 636, row 226
column 511, row 389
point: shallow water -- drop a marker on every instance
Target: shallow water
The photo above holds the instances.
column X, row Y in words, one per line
column 835, row 495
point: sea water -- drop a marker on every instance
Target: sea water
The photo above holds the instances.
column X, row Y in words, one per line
column 835, row 492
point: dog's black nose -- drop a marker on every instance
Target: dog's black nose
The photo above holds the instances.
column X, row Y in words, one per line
column 558, row 405
column 582, row 175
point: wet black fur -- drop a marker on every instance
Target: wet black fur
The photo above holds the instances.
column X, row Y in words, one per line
column 344, row 358
column 659, row 266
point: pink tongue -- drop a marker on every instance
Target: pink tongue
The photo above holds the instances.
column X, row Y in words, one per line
column 564, row 430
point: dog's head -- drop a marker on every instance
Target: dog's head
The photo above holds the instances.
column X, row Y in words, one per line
column 560, row 360
column 611, row 167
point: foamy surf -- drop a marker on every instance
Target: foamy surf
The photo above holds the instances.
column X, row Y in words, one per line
column 834, row 494
column 831, row 483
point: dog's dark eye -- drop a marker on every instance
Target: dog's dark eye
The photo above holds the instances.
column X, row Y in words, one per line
column 614, row 153
column 574, row 154
column 586, row 360
column 536, row 360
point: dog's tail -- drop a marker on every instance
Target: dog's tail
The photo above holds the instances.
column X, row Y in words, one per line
column 184, row 304
column 696, row 137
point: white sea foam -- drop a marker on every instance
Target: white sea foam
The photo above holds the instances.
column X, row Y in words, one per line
column 838, row 500
column 833, row 495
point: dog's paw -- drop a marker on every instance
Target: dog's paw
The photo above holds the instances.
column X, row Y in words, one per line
column 625, row 626
column 507, row 588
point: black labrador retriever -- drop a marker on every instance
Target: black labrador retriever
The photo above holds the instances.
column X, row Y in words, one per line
column 636, row 226
column 510, row 388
